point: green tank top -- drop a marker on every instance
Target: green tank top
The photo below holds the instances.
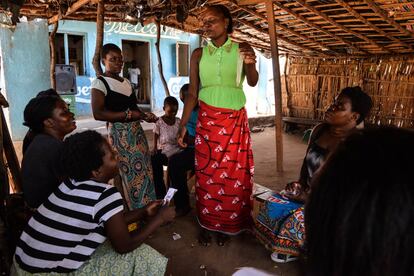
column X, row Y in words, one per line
column 218, row 76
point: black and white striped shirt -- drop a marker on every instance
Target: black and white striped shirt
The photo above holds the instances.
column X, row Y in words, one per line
column 68, row 227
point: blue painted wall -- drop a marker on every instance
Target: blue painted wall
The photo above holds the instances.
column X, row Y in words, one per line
column 26, row 61
column 25, row 68
column 115, row 33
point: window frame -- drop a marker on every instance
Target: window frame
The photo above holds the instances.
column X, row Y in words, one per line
column 178, row 62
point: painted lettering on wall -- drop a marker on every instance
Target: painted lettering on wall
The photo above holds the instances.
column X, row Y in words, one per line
column 83, row 96
column 147, row 30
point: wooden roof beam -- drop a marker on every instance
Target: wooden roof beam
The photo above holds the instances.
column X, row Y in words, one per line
column 283, row 48
column 249, row 2
column 364, row 20
column 76, row 6
column 250, row 25
column 388, row 19
column 286, row 29
column 262, row 44
column 333, row 22
column 310, row 23
column 265, row 47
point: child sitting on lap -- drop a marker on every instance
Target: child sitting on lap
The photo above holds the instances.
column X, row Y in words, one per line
column 68, row 231
column 165, row 143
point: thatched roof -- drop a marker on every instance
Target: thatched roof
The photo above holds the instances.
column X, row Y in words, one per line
column 304, row 27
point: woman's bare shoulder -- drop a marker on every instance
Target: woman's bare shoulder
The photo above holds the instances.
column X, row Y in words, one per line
column 197, row 52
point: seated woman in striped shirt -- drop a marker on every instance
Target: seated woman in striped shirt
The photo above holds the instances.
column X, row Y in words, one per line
column 67, row 233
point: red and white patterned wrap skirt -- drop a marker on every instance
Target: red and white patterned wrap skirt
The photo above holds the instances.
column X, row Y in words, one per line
column 224, row 169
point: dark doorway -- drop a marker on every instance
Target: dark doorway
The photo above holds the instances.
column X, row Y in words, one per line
column 137, row 69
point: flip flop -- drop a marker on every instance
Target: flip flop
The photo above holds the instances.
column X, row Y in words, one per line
column 204, row 238
column 222, row 239
column 282, row 258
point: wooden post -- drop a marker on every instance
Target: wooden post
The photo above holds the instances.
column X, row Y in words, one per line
column 288, row 94
column 96, row 61
column 160, row 70
column 10, row 154
column 276, row 84
column 53, row 55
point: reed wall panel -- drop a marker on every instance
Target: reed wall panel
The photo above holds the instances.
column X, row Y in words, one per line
column 313, row 83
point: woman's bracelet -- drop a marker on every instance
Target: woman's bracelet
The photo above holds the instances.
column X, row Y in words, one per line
column 128, row 115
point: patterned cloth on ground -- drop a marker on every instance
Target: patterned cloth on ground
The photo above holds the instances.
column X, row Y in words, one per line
column 285, row 235
column 105, row 261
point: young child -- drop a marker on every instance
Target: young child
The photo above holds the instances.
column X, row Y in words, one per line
column 165, row 143
column 180, row 163
column 68, row 231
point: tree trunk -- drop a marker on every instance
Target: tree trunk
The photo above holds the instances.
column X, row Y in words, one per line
column 157, row 46
column 96, row 61
column 53, row 55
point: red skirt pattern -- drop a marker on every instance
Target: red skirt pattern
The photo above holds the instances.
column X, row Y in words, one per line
column 224, row 169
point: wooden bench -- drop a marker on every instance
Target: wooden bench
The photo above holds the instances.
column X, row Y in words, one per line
column 292, row 123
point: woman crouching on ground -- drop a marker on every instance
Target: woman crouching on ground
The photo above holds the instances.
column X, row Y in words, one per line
column 67, row 233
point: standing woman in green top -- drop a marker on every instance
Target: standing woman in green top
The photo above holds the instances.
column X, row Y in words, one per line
column 224, row 159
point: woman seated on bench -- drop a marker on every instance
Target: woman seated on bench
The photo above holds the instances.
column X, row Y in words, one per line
column 284, row 234
column 49, row 120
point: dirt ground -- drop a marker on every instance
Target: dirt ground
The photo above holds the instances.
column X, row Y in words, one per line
column 186, row 257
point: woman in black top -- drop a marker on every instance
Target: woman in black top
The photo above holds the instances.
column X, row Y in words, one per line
column 49, row 121
column 113, row 101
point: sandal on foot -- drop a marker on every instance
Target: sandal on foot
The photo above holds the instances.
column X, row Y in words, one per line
column 204, row 238
column 222, row 239
column 282, row 258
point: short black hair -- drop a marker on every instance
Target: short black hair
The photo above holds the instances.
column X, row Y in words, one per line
column 39, row 109
column 359, row 216
column 109, row 47
column 184, row 91
column 36, row 111
column 361, row 101
column 171, row 101
column 48, row 92
column 223, row 10
column 81, row 154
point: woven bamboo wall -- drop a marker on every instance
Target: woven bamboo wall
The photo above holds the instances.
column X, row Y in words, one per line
column 312, row 84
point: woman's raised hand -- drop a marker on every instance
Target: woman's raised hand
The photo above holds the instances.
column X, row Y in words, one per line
column 247, row 53
column 182, row 130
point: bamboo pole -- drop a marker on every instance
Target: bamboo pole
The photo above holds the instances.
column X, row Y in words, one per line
column 316, row 26
column 289, row 95
column 373, row 26
column 284, row 28
column 340, row 26
column 100, row 15
column 157, row 46
column 53, row 55
column 276, row 85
